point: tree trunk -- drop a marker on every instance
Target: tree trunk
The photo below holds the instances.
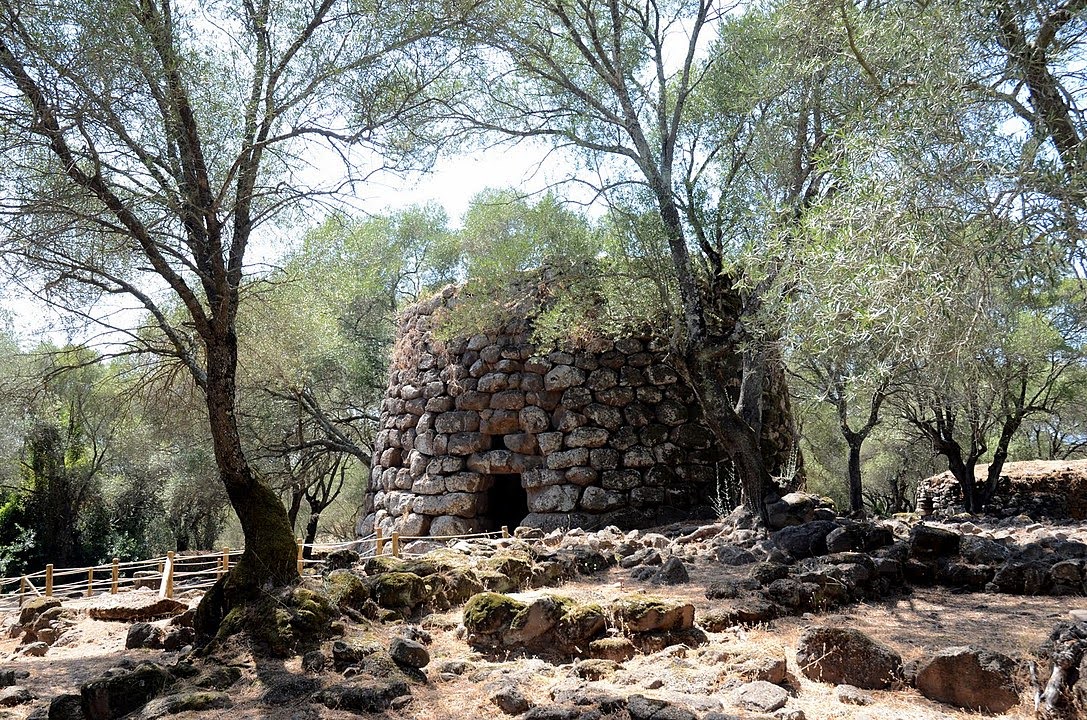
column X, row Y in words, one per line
column 734, row 435
column 270, row 552
column 1000, row 455
column 856, row 497
column 738, row 438
column 964, row 473
column 311, row 534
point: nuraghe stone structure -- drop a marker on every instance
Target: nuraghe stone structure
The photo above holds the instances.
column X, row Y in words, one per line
column 491, row 430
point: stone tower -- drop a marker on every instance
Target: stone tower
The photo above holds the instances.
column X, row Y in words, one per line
column 490, row 430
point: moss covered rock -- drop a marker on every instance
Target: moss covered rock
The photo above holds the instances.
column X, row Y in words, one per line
column 640, row 615
column 488, row 613
column 579, row 625
column 346, row 589
column 282, row 625
column 454, row 587
column 398, row 590
column 516, row 566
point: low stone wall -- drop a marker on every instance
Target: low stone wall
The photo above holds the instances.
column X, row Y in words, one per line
column 492, row 430
column 1054, row 489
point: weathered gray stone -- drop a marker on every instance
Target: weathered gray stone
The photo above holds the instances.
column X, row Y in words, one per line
column 499, row 422
column 459, row 504
column 468, row 482
column 534, row 419
column 597, row 499
column 561, row 377
column 456, row 421
column 587, row 437
column 553, row 498
column 451, row 525
column 466, row 443
column 760, row 696
column 567, row 459
column 409, row 652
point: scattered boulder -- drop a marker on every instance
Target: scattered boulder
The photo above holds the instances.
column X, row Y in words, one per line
column 510, row 700
column 409, row 653
column 970, row 678
column 804, row 541
column 618, row 649
column 643, row 615
column 673, row 572
column 363, row 695
column 844, row 656
column 15, row 695
column 144, row 635
column 928, row 542
column 643, row 708
column 121, row 692
column 192, row 701
column 139, row 605
column 34, row 607
column 760, row 696
column 66, row 707
column 851, row 695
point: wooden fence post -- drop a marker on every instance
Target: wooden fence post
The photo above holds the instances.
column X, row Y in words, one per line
column 90, row 581
column 49, row 580
column 166, row 589
column 116, row 576
column 301, row 567
column 22, row 590
column 226, row 564
column 505, row 531
column 396, row 544
column 380, row 544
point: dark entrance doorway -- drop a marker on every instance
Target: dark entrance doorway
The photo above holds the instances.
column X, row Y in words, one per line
column 508, row 501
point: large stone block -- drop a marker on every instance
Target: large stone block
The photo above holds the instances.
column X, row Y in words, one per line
column 534, row 419
column 587, row 437
column 467, row 443
column 596, row 499
column 542, row 477
column 468, row 482
column 563, row 376
column 620, row 479
column 456, row 421
column 499, row 422
column 553, row 498
column 508, row 400
column 567, row 459
column 459, row 504
column 452, row 525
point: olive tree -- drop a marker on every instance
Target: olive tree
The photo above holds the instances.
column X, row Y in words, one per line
column 149, row 144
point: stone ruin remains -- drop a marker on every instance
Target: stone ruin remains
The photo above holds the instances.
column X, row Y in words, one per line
column 491, row 430
column 1051, row 489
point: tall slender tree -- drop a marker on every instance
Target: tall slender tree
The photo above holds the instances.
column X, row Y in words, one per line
column 147, row 142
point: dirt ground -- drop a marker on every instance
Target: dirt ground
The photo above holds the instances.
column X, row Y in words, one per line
column 915, row 624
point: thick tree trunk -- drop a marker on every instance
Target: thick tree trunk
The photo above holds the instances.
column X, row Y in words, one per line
column 735, row 436
column 270, row 554
column 1000, row 456
column 963, row 471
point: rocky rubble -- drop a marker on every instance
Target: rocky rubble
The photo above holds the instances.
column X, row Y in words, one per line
column 632, row 655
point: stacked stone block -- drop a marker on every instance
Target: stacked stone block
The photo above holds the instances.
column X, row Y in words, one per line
column 603, row 433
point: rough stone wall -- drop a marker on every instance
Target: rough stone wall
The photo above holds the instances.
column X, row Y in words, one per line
column 1054, row 489
column 490, row 430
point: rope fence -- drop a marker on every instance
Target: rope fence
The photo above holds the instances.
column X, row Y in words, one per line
column 176, row 573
